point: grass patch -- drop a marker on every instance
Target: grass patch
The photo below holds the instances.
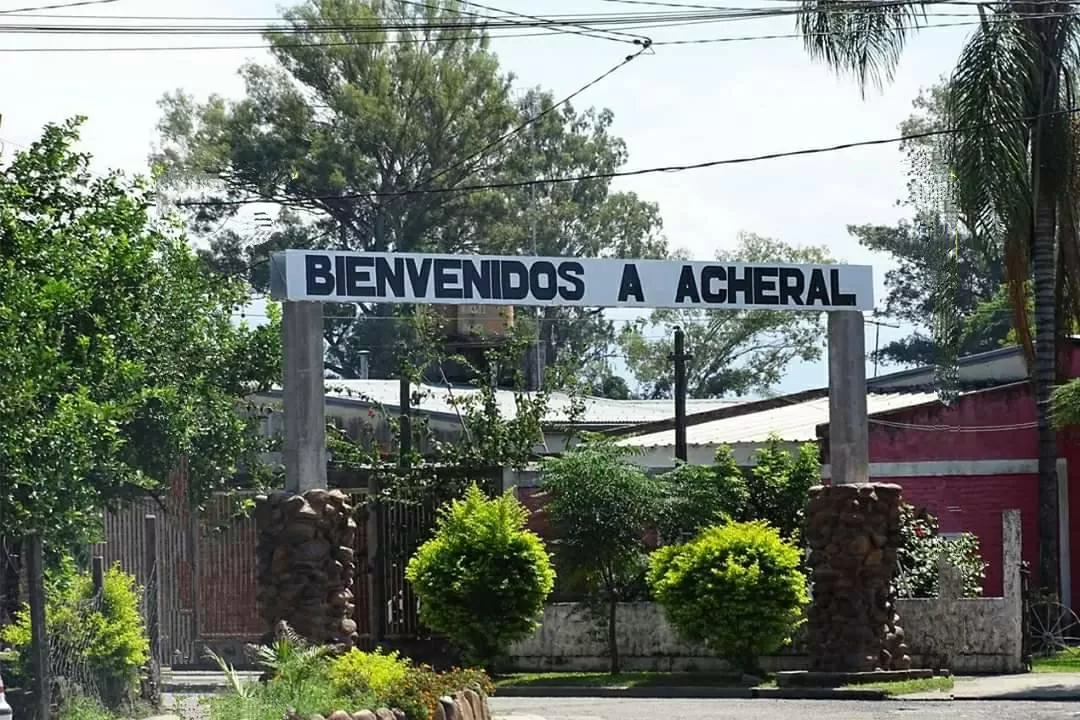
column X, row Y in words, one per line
column 909, row 687
column 1067, row 660
column 621, row 680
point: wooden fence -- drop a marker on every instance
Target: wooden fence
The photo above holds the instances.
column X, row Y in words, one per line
column 207, row 571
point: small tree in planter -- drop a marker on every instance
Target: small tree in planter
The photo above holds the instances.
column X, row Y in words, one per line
column 483, row 578
column 600, row 506
column 735, row 588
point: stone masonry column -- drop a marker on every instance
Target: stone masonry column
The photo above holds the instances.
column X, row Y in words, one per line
column 854, row 534
column 306, row 564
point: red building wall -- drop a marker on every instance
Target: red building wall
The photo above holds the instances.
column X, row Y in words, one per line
column 996, row 424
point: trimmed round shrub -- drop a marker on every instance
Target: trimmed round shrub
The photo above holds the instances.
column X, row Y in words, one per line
column 735, row 588
column 483, row 577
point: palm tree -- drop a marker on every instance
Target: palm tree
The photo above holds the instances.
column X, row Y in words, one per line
column 1012, row 150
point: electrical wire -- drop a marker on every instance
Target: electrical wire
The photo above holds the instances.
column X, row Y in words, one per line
column 721, row 13
column 637, row 39
column 565, row 23
column 452, row 38
column 261, row 46
column 58, row 6
column 468, row 161
column 664, row 169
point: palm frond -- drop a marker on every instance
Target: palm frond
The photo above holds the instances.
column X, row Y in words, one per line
column 866, row 43
column 239, row 687
column 990, row 95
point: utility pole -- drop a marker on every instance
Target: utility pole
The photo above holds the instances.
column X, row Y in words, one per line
column 878, row 324
column 405, row 418
column 538, row 354
column 680, row 358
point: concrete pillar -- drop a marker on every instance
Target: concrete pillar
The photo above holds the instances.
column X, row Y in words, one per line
column 849, row 454
column 304, row 396
column 1012, row 589
column 1065, row 553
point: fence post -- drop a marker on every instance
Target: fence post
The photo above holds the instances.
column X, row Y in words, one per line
column 39, row 637
column 97, row 572
column 153, row 585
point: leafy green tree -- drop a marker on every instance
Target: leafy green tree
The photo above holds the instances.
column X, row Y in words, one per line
column 986, row 327
column 773, row 490
column 779, row 484
column 1011, row 153
column 482, row 578
column 734, row 352
column 736, row 588
column 700, row 496
column 600, row 508
column 118, row 350
column 349, row 132
column 923, row 250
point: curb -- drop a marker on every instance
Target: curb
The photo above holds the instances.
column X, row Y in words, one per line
column 173, row 688
column 692, row 693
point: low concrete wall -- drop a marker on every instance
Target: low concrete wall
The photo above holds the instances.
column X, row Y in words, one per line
column 572, row 639
column 971, row 635
column 965, row 635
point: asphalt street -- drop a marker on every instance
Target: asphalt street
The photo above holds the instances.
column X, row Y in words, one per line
column 629, row 709
column 187, row 707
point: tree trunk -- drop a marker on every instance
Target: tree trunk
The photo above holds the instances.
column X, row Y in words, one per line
column 1044, row 262
column 10, row 600
column 612, row 638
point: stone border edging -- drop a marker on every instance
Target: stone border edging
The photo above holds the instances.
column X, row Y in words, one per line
column 692, row 693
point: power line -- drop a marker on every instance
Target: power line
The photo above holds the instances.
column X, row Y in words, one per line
column 467, row 162
column 566, row 23
column 588, row 31
column 452, row 38
column 57, row 6
column 261, row 46
column 721, row 13
column 630, row 173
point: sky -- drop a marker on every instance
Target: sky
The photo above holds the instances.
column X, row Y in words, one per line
column 677, row 104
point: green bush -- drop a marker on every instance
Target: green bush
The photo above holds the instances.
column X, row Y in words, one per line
column 483, row 578
column 735, row 588
column 420, row 690
column 922, row 547
column 304, row 679
column 379, row 672
column 106, row 636
column 83, row 708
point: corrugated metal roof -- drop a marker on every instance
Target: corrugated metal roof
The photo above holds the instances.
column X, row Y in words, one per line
column 796, row 422
column 595, row 411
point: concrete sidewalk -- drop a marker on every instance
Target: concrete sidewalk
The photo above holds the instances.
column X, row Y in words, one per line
column 1029, row 686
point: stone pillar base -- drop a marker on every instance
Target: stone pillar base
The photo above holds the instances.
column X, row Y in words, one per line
column 854, row 535
column 306, row 566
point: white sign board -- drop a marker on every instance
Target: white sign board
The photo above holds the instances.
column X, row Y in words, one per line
column 332, row 276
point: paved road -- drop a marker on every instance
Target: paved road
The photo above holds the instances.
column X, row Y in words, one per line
column 590, row 709
column 633, row 709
